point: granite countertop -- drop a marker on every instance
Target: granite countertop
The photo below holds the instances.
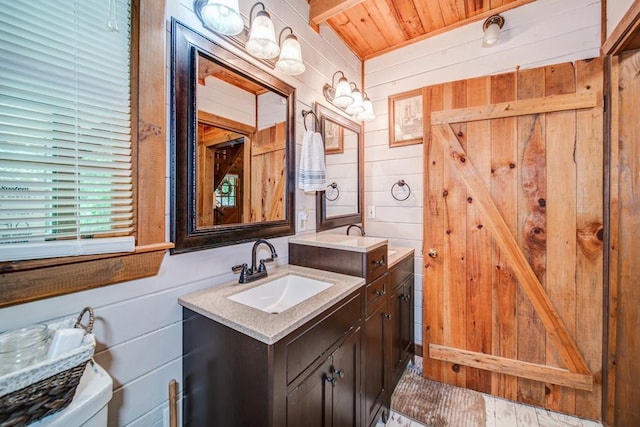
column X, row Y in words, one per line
column 340, row 241
column 269, row 328
column 395, row 254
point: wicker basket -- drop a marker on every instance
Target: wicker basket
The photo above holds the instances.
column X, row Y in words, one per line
column 46, row 387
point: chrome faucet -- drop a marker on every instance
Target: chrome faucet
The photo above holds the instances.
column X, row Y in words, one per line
column 249, row 274
column 356, row 226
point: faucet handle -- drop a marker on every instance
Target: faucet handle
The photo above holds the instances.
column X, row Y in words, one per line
column 261, row 266
column 238, row 268
column 242, row 269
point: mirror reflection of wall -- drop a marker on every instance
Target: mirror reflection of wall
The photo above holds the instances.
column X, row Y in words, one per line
column 341, row 168
column 240, row 167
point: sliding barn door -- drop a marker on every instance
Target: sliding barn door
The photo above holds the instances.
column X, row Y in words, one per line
column 513, row 275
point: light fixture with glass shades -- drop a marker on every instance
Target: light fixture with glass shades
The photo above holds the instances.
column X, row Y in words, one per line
column 290, row 60
column 338, row 94
column 366, row 115
column 262, row 41
column 491, row 28
column 356, row 106
column 346, row 96
column 221, row 16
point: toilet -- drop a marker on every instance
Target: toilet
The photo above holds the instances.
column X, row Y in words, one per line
column 89, row 406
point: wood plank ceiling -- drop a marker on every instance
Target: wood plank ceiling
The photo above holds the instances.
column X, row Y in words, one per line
column 373, row 27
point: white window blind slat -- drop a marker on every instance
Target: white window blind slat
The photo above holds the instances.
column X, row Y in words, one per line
column 65, row 146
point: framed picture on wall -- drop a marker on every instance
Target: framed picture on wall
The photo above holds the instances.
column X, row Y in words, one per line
column 333, row 138
column 405, row 118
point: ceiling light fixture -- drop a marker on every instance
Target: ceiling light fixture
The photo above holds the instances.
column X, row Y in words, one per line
column 290, row 60
column 221, row 16
column 262, row 35
column 491, row 28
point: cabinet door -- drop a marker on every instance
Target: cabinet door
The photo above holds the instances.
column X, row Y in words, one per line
column 309, row 404
column 346, row 391
column 401, row 329
column 375, row 368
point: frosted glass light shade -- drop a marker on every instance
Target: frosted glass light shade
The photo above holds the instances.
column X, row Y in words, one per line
column 222, row 16
column 290, row 61
column 491, row 36
column 367, row 114
column 262, row 37
column 342, row 96
column 356, row 106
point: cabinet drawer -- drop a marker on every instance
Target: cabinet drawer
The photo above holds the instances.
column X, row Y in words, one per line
column 376, row 293
column 311, row 341
column 376, row 263
column 401, row 271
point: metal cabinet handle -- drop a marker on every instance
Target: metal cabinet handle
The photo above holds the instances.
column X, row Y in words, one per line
column 387, row 316
column 331, row 380
column 404, row 297
column 380, row 293
column 433, row 253
column 381, row 261
column 338, row 372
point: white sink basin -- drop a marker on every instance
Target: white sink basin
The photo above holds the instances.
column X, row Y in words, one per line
column 280, row 294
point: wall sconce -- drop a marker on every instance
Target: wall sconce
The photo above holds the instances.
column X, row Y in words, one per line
column 338, row 94
column 356, row 106
column 367, row 114
column 262, row 35
column 290, row 60
column 221, row 16
column 351, row 101
column 491, row 28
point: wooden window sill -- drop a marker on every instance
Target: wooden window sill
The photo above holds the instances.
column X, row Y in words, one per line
column 26, row 281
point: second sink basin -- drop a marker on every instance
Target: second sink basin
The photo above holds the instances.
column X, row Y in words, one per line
column 280, row 294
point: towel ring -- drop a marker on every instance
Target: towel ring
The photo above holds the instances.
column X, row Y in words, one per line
column 305, row 113
column 335, row 190
column 400, row 184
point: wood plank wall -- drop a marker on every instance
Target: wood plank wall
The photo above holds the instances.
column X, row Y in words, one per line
column 139, row 323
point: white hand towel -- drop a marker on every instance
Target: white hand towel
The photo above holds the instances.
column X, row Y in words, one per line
column 311, row 173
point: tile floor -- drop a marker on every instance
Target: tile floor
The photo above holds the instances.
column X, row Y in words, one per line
column 505, row 413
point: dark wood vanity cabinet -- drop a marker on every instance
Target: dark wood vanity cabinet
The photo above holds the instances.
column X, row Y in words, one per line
column 388, row 328
column 311, row 377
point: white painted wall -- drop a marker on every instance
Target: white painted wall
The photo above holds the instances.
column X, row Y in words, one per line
column 615, row 11
column 542, row 32
column 226, row 100
column 139, row 323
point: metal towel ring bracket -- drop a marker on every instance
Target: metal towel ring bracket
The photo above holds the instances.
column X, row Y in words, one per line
column 336, row 190
column 305, row 113
column 401, row 183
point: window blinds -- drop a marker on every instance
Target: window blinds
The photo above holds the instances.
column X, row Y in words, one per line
column 65, row 143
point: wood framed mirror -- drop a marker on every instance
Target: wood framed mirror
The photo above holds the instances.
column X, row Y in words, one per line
column 232, row 146
column 342, row 202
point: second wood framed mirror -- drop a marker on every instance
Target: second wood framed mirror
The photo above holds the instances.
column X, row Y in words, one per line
column 342, row 202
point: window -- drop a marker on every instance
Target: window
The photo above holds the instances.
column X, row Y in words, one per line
column 226, row 191
column 29, row 280
column 65, row 129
